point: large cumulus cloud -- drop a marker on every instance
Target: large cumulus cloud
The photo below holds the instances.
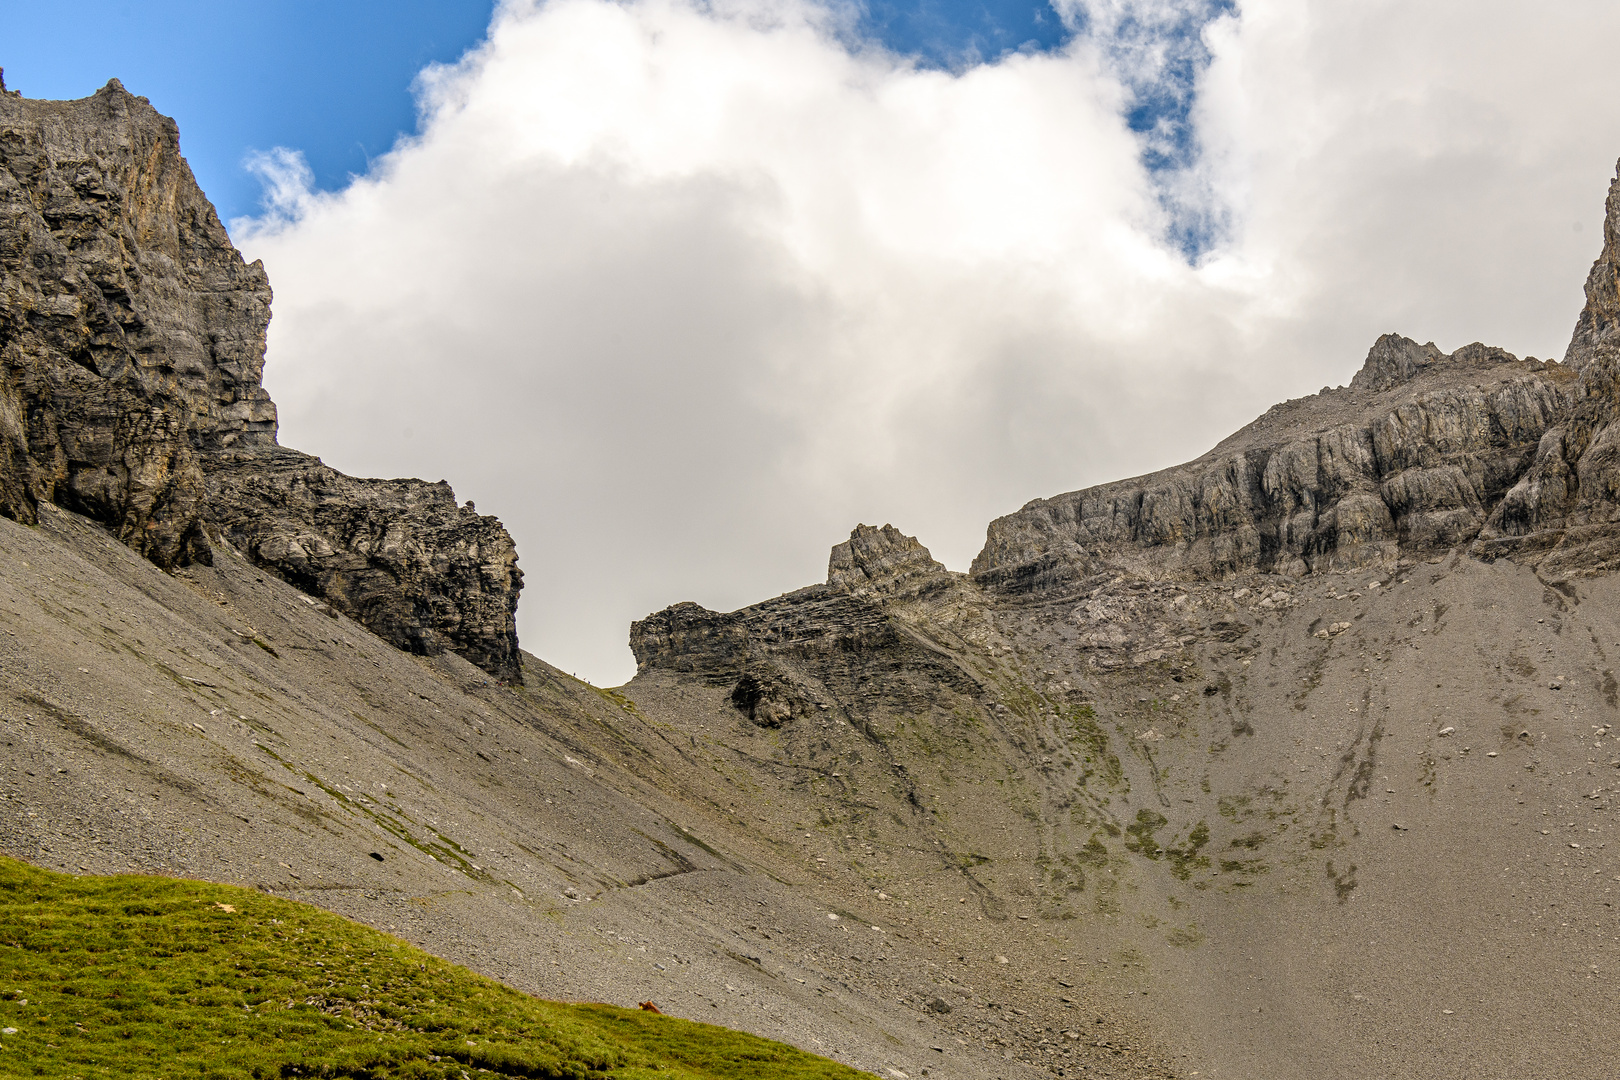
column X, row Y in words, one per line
column 682, row 291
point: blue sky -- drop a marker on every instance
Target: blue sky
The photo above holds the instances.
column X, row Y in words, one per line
column 949, row 32
column 333, row 78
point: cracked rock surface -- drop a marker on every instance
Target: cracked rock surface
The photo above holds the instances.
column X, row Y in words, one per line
column 132, row 339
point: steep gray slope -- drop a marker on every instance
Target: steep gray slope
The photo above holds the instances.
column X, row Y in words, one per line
column 1356, row 824
column 216, row 722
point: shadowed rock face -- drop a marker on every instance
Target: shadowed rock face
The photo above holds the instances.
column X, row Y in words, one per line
column 131, row 331
column 132, row 339
column 397, row 555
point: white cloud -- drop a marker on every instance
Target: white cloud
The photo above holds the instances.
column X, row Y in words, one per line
column 683, row 292
column 287, row 182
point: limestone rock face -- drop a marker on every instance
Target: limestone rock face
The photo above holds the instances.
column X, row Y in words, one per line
column 397, row 555
column 131, row 331
column 1599, row 321
column 1560, row 514
column 1414, row 456
column 132, row 339
column 884, row 562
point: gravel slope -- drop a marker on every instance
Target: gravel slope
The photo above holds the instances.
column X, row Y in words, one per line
column 215, row 723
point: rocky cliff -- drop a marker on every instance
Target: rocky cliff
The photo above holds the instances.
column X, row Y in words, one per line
column 400, row 556
column 1421, row 453
column 1414, row 456
column 132, row 338
column 131, row 332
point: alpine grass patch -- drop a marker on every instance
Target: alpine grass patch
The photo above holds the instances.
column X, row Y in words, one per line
column 157, row 977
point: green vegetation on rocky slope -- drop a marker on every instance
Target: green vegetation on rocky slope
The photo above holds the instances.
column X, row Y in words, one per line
column 150, row 976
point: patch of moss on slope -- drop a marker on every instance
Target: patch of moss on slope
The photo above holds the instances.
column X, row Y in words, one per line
column 155, row 977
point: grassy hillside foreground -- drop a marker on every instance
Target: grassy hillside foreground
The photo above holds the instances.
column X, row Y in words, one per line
column 149, row 976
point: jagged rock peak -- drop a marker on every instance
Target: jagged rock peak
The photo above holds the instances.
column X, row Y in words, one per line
column 884, row 562
column 1392, row 360
column 1600, row 320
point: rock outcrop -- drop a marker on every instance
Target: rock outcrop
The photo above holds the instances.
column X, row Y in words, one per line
column 1413, row 457
column 132, row 338
column 787, row 658
column 1599, row 321
column 884, row 562
column 400, row 556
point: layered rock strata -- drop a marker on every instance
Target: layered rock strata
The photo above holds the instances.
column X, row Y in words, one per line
column 1421, row 453
column 1414, row 456
column 132, row 338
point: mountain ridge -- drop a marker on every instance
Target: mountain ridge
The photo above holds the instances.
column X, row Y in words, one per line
column 1296, row 759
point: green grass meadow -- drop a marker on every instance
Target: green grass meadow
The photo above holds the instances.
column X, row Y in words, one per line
column 135, row 976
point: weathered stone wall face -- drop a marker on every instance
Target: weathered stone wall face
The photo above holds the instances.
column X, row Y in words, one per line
column 1415, row 456
column 132, row 338
column 398, row 555
column 131, row 331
